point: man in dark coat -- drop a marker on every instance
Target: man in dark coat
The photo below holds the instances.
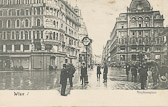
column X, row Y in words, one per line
column 134, row 73
column 127, row 71
column 63, row 79
column 143, row 75
column 83, row 73
column 105, row 73
column 71, row 70
column 98, row 72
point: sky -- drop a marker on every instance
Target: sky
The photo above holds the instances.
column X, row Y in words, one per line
column 100, row 17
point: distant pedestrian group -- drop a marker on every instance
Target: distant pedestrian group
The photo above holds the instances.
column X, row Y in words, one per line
column 148, row 76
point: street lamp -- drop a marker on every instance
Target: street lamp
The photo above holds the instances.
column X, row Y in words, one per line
column 86, row 42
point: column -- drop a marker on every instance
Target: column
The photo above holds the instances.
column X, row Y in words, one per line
column 4, row 48
column 13, row 48
column 21, row 47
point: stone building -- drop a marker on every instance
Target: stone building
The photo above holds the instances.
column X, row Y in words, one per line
column 38, row 33
column 135, row 36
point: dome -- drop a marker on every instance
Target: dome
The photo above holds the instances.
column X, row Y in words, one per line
column 140, row 5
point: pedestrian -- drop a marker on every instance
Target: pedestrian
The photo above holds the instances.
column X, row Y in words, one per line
column 71, row 70
column 143, row 76
column 154, row 75
column 63, row 80
column 98, row 72
column 105, row 73
column 134, row 73
column 83, row 73
column 127, row 71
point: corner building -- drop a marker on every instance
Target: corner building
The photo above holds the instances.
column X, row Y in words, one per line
column 38, row 33
column 136, row 33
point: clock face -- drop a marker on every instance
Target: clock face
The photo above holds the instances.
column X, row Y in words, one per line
column 86, row 41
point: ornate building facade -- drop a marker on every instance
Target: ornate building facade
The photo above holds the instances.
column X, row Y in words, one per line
column 135, row 36
column 38, row 33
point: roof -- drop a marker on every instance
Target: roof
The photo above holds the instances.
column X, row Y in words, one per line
column 140, row 5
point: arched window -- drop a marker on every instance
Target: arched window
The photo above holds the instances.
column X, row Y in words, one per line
column 54, row 36
column 133, row 21
column 10, row 12
column 13, row 35
column 26, row 23
column 54, row 23
column 8, row 23
column 140, row 21
column 17, row 23
column 27, row 12
column 21, row 35
column 26, row 35
column 38, row 22
column 147, row 21
column 1, row 23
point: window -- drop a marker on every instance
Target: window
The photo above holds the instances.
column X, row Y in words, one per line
column 8, row 23
column 133, row 57
column 54, row 23
column 34, row 34
column 10, row 12
column 26, row 23
column 54, row 35
column 38, row 22
column 1, row 47
column 17, row 12
column 1, row 13
column 1, row 23
column 38, row 35
column 41, row 34
column 17, row 47
column 4, row 36
column 29, row 34
column 18, row 23
column 8, row 47
column 21, row 34
column 26, row 35
column 26, row 47
column 13, row 35
column 17, row 35
column 27, row 12
column 140, row 21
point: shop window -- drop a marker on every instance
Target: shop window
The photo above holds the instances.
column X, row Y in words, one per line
column 8, row 47
column 26, row 47
column 17, row 47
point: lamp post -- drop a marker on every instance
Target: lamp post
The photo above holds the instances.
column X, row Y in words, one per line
column 86, row 42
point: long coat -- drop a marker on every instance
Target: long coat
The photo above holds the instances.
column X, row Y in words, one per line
column 105, row 72
column 63, row 76
column 143, row 73
column 98, row 70
column 83, row 71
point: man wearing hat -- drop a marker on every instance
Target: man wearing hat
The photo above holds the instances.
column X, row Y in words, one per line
column 83, row 73
column 143, row 75
column 63, row 79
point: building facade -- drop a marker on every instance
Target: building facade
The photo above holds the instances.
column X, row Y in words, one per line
column 135, row 36
column 37, row 33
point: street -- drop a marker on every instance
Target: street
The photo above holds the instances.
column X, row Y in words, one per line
column 43, row 80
